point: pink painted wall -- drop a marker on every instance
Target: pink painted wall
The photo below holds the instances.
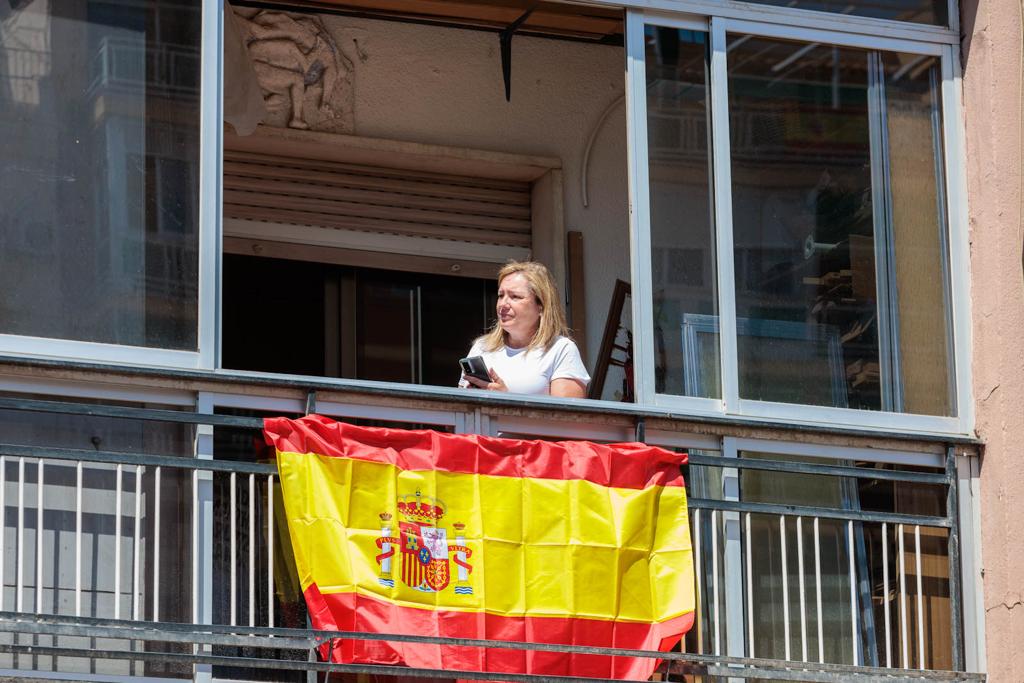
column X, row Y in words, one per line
column 993, row 67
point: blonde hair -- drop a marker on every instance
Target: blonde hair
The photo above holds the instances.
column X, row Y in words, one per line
column 552, row 315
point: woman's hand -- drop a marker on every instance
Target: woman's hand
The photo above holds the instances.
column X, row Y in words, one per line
column 496, row 383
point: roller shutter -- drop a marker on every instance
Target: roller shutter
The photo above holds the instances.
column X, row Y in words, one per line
column 340, row 196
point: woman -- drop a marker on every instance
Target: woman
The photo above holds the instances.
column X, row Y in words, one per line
column 528, row 351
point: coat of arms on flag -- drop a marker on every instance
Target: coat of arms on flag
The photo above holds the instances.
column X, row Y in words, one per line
column 424, row 548
column 462, row 536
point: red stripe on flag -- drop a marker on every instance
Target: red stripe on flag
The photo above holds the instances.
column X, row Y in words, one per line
column 625, row 465
column 359, row 613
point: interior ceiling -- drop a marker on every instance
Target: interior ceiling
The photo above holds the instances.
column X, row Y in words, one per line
column 550, row 19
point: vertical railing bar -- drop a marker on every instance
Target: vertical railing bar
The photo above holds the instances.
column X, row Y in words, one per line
column 3, row 523
column 252, row 549
column 19, row 598
column 953, row 550
column 195, row 549
column 156, row 544
column 785, row 584
column 136, row 552
column 699, row 569
column 817, row 592
column 920, row 597
column 715, row 581
column 733, row 633
column 78, row 539
column 853, row 593
column 234, row 549
column 803, row 600
column 39, row 537
column 903, row 597
column 750, row 594
column 885, row 594
column 270, row 550
column 117, row 543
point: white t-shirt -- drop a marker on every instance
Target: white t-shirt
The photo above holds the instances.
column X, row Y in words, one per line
column 531, row 372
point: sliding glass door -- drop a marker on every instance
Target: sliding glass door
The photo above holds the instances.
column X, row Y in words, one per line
column 789, row 221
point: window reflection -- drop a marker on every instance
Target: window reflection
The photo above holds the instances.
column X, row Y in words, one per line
column 99, row 115
column 682, row 232
column 841, row 294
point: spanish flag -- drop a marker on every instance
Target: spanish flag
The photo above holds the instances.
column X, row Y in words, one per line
column 424, row 533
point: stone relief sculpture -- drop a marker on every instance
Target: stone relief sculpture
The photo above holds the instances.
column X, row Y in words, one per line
column 306, row 80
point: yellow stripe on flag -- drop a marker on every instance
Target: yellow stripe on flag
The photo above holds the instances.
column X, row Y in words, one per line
column 539, row 547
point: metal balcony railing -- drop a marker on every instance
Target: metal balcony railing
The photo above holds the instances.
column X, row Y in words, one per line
column 177, row 564
column 133, row 65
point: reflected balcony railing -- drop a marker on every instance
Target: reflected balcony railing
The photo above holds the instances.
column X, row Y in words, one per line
column 135, row 66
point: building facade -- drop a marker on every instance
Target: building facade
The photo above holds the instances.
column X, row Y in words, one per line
column 788, row 236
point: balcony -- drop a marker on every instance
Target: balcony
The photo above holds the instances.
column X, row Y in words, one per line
column 146, row 538
column 133, row 66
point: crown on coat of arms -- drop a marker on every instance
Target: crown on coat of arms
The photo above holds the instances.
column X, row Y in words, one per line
column 385, row 516
column 420, row 508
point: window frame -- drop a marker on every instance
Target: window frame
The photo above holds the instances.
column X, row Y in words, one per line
column 800, row 18
column 730, row 404
column 715, row 17
column 208, row 235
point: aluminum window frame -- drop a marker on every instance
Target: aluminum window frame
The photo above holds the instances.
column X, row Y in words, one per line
column 800, row 18
column 208, row 239
column 715, row 17
column 954, row 180
column 337, row 410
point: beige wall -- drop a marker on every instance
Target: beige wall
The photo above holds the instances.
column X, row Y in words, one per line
column 443, row 86
column 993, row 102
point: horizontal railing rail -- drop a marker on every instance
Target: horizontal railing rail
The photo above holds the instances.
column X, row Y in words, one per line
column 826, row 470
column 252, row 382
column 307, row 639
column 818, row 512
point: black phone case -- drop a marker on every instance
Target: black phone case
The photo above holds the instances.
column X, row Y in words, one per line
column 476, row 368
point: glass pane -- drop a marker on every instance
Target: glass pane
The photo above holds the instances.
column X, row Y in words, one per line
column 99, row 114
column 924, row 355
column 918, row 11
column 682, row 231
column 841, row 278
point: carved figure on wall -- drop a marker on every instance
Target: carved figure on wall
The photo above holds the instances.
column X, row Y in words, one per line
column 306, row 80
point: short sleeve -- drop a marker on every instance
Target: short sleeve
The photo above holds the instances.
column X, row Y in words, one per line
column 567, row 363
column 474, row 350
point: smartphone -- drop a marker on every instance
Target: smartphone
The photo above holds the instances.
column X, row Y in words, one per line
column 474, row 366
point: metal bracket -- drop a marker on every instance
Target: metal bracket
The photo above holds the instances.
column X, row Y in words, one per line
column 311, row 402
column 505, row 38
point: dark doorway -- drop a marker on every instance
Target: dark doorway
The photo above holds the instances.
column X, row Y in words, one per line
column 303, row 318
